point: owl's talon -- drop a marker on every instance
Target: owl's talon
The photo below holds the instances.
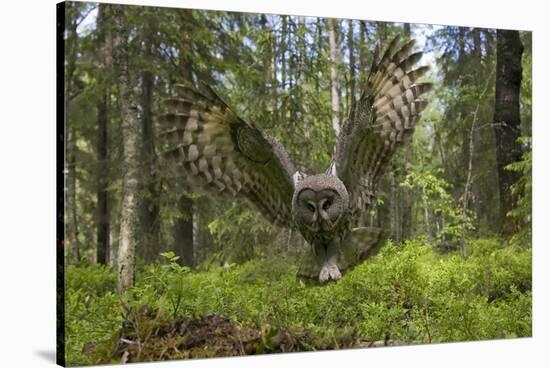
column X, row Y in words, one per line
column 329, row 271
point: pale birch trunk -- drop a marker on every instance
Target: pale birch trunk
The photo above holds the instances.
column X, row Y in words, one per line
column 129, row 216
column 334, row 81
column 71, row 227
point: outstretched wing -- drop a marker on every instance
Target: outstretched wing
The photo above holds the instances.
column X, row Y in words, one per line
column 383, row 119
column 211, row 149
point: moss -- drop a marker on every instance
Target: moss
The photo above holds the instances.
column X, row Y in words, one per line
column 407, row 294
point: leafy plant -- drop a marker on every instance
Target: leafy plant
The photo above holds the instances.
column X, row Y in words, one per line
column 522, row 191
column 436, row 200
column 407, row 293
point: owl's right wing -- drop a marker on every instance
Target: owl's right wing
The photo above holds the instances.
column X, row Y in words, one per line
column 383, row 119
column 211, row 149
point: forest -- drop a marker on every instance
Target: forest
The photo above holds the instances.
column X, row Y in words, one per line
column 150, row 272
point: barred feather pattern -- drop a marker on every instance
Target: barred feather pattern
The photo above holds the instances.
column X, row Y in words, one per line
column 212, row 150
column 383, row 119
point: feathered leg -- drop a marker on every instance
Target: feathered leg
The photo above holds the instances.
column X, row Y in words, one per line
column 329, row 254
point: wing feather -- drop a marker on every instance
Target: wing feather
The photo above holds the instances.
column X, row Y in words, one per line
column 383, row 119
column 211, row 149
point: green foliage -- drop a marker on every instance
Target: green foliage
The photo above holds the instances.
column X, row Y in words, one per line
column 92, row 308
column 522, row 190
column 407, row 293
column 433, row 192
column 168, row 280
column 94, row 279
column 240, row 233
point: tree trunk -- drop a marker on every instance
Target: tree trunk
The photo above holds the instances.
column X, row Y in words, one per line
column 302, row 46
column 382, row 30
column 407, row 198
column 282, row 50
column 507, row 117
column 407, row 30
column 114, row 238
column 351, row 50
column 131, row 144
column 427, row 225
column 71, row 227
column 476, row 35
column 319, row 44
column 184, row 245
column 102, row 213
column 102, row 181
column 150, row 211
column 334, row 81
column 362, row 56
column 394, row 207
column 150, row 246
column 184, row 234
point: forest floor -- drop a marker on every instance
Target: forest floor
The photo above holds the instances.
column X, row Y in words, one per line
column 212, row 336
column 407, row 294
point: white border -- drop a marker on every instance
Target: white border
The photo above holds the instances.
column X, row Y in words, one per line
column 27, row 202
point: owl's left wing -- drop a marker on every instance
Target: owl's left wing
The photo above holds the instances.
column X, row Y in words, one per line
column 211, row 149
column 383, row 119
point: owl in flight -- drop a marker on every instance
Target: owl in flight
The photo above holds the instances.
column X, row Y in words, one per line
column 211, row 149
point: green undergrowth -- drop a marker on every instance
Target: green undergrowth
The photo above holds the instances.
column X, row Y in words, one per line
column 407, row 293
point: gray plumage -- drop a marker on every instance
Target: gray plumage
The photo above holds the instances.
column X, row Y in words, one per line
column 212, row 149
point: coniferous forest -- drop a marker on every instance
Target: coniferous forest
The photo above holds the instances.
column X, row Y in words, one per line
column 153, row 271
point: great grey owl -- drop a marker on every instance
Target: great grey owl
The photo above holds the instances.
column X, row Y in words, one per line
column 214, row 150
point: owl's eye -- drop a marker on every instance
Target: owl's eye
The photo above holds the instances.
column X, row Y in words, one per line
column 327, row 204
column 310, row 207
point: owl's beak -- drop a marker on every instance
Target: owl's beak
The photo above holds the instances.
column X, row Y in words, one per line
column 325, row 222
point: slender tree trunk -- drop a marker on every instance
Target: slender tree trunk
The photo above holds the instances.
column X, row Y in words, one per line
column 184, row 234
column 184, row 245
column 334, row 80
column 102, row 213
column 102, row 194
column 71, row 227
column 291, row 47
column 427, row 218
column 302, row 44
column 282, row 50
column 467, row 187
column 267, row 55
column 150, row 210
column 319, row 43
column 476, row 35
column 407, row 30
column 479, row 185
column 351, row 50
column 382, row 30
column 274, row 81
column 131, row 138
column 114, row 238
column 468, row 192
column 407, row 197
column 507, row 117
column 362, row 56
column 394, row 206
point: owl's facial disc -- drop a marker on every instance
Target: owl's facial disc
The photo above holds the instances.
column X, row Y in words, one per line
column 319, row 210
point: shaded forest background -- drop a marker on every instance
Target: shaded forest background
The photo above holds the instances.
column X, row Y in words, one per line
column 294, row 77
column 465, row 177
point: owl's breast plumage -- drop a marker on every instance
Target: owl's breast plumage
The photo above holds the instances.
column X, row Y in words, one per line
column 320, row 236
